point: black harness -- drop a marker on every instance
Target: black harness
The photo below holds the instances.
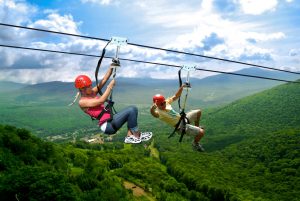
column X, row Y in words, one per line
column 183, row 119
column 109, row 107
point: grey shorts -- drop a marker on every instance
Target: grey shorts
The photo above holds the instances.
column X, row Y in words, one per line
column 190, row 129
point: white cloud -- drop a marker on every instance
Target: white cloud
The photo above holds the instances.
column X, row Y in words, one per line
column 257, row 7
column 194, row 25
column 235, row 37
column 16, row 12
column 170, row 15
column 40, row 64
column 264, row 37
column 198, row 29
column 56, row 22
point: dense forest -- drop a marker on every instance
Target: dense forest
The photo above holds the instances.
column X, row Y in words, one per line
column 253, row 153
column 265, row 168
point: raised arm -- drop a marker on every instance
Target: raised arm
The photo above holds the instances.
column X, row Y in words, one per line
column 178, row 93
column 84, row 103
column 104, row 79
column 153, row 110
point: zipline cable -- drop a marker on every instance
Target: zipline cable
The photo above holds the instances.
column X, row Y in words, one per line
column 152, row 47
column 145, row 62
column 54, row 32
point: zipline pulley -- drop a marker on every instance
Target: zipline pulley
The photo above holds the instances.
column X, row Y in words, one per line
column 117, row 41
column 188, row 68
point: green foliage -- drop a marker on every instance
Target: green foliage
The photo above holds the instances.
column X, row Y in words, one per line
column 265, row 112
column 253, row 154
column 35, row 183
column 65, row 172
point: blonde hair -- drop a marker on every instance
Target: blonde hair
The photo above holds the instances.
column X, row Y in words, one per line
column 76, row 97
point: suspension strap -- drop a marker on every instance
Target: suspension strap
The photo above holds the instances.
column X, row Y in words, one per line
column 180, row 84
column 109, row 108
column 99, row 65
column 118, row 41
column 183, row 119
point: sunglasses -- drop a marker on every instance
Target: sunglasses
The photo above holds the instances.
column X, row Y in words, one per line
column 163, row 103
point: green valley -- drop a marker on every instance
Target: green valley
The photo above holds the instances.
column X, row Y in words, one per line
column 252, row 153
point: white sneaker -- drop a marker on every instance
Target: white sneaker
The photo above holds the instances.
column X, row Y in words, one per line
column 145, row 136
column 132, row 140
column 197, row 147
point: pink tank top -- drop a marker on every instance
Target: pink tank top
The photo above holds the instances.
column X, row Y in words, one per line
column 95, row 111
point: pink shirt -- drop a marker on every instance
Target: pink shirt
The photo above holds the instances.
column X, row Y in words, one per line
column 95, row 111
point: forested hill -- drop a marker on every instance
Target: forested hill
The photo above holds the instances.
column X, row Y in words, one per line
column 253, row 153
column 32, row 169
column 271, row 110
column 253, row 149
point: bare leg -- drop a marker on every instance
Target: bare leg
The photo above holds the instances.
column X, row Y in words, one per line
column 199, row 136
column 197, row 122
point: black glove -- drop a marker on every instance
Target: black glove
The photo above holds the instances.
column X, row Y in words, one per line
column 115, row 62
column 188, row 85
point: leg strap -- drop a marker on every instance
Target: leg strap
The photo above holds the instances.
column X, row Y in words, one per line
column 184, row 121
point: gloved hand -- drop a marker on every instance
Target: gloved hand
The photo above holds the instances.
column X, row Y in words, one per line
column 115, row 62
column 186, row 85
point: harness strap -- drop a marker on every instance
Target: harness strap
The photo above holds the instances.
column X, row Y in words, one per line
column 110, row 103
column 108, row 108
column 183, row 117
column 98, row 66
column 115, row 63
column 184, row 121
column 180, row 83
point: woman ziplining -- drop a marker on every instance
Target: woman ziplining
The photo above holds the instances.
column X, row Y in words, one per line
column 93, row 105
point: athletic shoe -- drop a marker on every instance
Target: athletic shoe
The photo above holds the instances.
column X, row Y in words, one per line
column 132, row 140
column 197, row 147
column 145, row 136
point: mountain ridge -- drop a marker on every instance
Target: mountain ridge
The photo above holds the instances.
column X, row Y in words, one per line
column 267, row 111
column 210, row 91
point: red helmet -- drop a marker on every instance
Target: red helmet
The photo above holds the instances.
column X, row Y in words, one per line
column 82, row 81
column 158, row 98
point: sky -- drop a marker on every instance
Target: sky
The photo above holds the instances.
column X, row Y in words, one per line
column 253, row 31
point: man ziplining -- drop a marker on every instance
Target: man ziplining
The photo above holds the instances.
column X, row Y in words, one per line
column 162, row 109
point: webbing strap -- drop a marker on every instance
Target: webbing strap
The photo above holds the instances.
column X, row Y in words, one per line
column 180, row 83
column 184, row 121
column 108, row 108
column 99, row 65
column 183, row 117
column 116, row 63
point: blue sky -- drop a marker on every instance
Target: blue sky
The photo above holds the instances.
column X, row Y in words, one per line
column 254, row 31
